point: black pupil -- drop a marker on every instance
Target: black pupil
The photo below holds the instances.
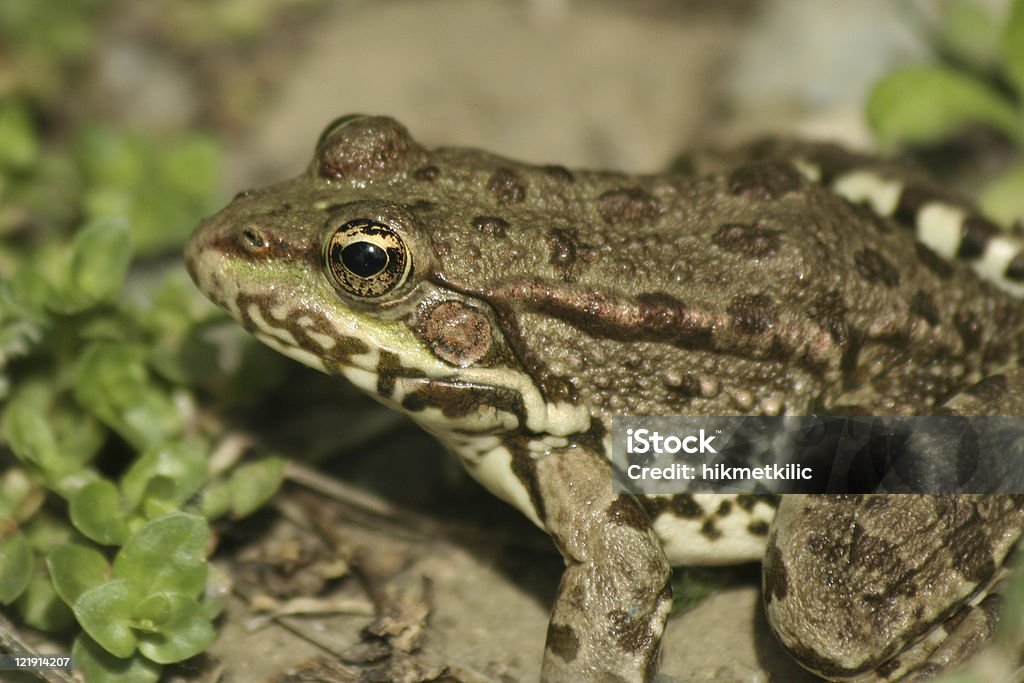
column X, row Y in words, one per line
column 365, row 259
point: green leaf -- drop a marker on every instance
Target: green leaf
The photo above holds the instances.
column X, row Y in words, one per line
column 971, row 32
column 114, row 384
column 216, row 500
column 20, row 497
column 30, row 436
column 182, row 464
column 100, row 666
column 100, row 255
column 1010, row 632
column 166, row 554
column 923, row 104
column 105, row 613
column 41, row 608
column 97, row 512
column 154, row 611
column 16, row 565
column 1003, row 199
column 113, row 158
column 19, row 147
column 1013, row 47
column 76, row 569
column 184, row 631
column 253, row 484
column 192, row 166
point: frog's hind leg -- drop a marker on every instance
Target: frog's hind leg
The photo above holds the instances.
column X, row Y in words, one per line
column 887, row 588
column 615, row 594
column 945, row 223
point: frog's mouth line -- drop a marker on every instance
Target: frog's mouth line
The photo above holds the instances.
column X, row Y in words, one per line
column 395, row 368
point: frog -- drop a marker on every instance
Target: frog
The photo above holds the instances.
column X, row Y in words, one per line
column 512, row 310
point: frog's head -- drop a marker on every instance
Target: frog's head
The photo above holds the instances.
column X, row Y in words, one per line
column 338, row 269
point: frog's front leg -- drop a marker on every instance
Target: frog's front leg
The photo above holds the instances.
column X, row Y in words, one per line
column 615, row 594
column 882, row 587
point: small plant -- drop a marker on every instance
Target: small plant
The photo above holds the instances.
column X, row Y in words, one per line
column 106, row 484
column 979, row 82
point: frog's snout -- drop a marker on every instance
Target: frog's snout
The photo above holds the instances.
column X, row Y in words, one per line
column 206, row 250
column 193, row 248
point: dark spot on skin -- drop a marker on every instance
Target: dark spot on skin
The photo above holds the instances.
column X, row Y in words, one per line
column 563, row 642
column 506, row 186
column 624, row 511
column 970, row 329
column 867, row 550
column 924, row 306
column 753, row 313
column 567, row 253
column 687, row 387
column 1015, row 268
column 939, row 266
column 491, row 226
column 975, row 233
column 628, row 206
column 875, row 268
column 724, row 508
column 685, row 505
column 390, row 368
column 757, row 527
column 748, row 501
column 765, row 181
column 564, row 247
column 367, row 147
column 953, row 622
column 456, row 333
column 887, row 669
column 709, row 531
column 560, row 172
column 753, row 241
column 633, row 634
column 912, row 199
column 427, row 173
column 829, row 311
column 459, row 400
column 681, row 505
column 776, row 578
column 867, row 215
column 990, row 389
column 971, row 555
column 833, row 161
column 991, row 608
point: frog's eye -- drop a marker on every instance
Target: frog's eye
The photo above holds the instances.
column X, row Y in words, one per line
column 367, row 258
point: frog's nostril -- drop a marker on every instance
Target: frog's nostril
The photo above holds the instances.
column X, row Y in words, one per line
column 252, row 238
